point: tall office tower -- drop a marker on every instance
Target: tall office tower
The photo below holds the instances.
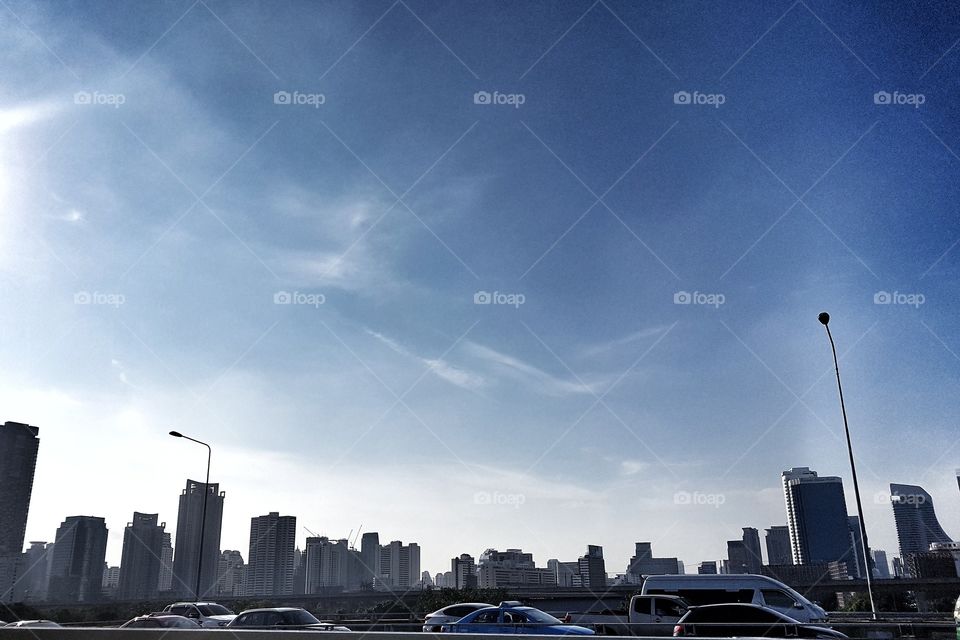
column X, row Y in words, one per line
column 31, row 585
column 751, row 544
column 230, row 575
column 165, row 576
column 796, row 473
column 591, row 569
column 140, row 559
column 916, row 520
column 369, row 558
column 817, row 517
column 270, row 561
column 464, row 570
column 644, row 564
column 188, row 553
column 858, row 568
column 76, row 570
column 778, row 546
column 18, row 460
column 881, row 569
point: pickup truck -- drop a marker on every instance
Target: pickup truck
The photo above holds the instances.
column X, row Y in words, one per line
column 653, row 615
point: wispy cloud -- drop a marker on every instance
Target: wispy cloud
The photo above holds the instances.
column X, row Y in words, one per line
column 529, row 375
column 602, row 348
column 442, row 369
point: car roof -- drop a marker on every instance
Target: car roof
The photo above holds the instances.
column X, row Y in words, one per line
column 468, row 604
column 274, row 609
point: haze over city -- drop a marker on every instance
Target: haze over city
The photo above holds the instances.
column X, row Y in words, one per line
column 476, row 278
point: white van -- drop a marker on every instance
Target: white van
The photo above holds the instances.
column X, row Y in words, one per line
column 748, row 588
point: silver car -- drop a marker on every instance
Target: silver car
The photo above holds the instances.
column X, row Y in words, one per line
column 450, row 613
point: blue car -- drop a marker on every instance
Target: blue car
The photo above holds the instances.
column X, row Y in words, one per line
column 511, row 617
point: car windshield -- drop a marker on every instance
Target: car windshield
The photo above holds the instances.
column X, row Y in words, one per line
column 214, row 610
column 537, row 616
column 298, row 617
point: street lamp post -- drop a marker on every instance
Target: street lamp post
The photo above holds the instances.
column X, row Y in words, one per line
column 203, row 518
column 824, row 320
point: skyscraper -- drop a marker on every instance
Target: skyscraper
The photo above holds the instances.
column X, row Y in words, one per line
column 141, row 556
column 881, row 569
column 592, row 571
column 18, row 459
column 916, row 520
column 369, row 558
column 76, row 570
column 817, row 518
column 858, row 567
column 270, row 561
column 778, row 546
column 165, row 577
column 188, row 539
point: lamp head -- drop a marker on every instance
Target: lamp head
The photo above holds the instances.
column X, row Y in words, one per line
column 824, row 318
column 176, row 434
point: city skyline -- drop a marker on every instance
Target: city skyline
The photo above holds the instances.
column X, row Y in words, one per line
column 408, row 264
column 270, row 524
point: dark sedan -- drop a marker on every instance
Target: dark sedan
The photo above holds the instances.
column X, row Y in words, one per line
column 734, row 620
column 282, row 618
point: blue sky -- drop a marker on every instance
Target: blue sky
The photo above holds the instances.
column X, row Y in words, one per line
column 158, row 193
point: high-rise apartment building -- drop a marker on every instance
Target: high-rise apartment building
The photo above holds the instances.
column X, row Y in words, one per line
column 140, row 560
column 165, row 577
column 76, row 569
column 464, row 570
column 18, row 459
column 270, row 561
column 915, row 518
column 189, row 530
column 331, row 564
column 231, row 575
column 34, row 571
column 399, row 564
